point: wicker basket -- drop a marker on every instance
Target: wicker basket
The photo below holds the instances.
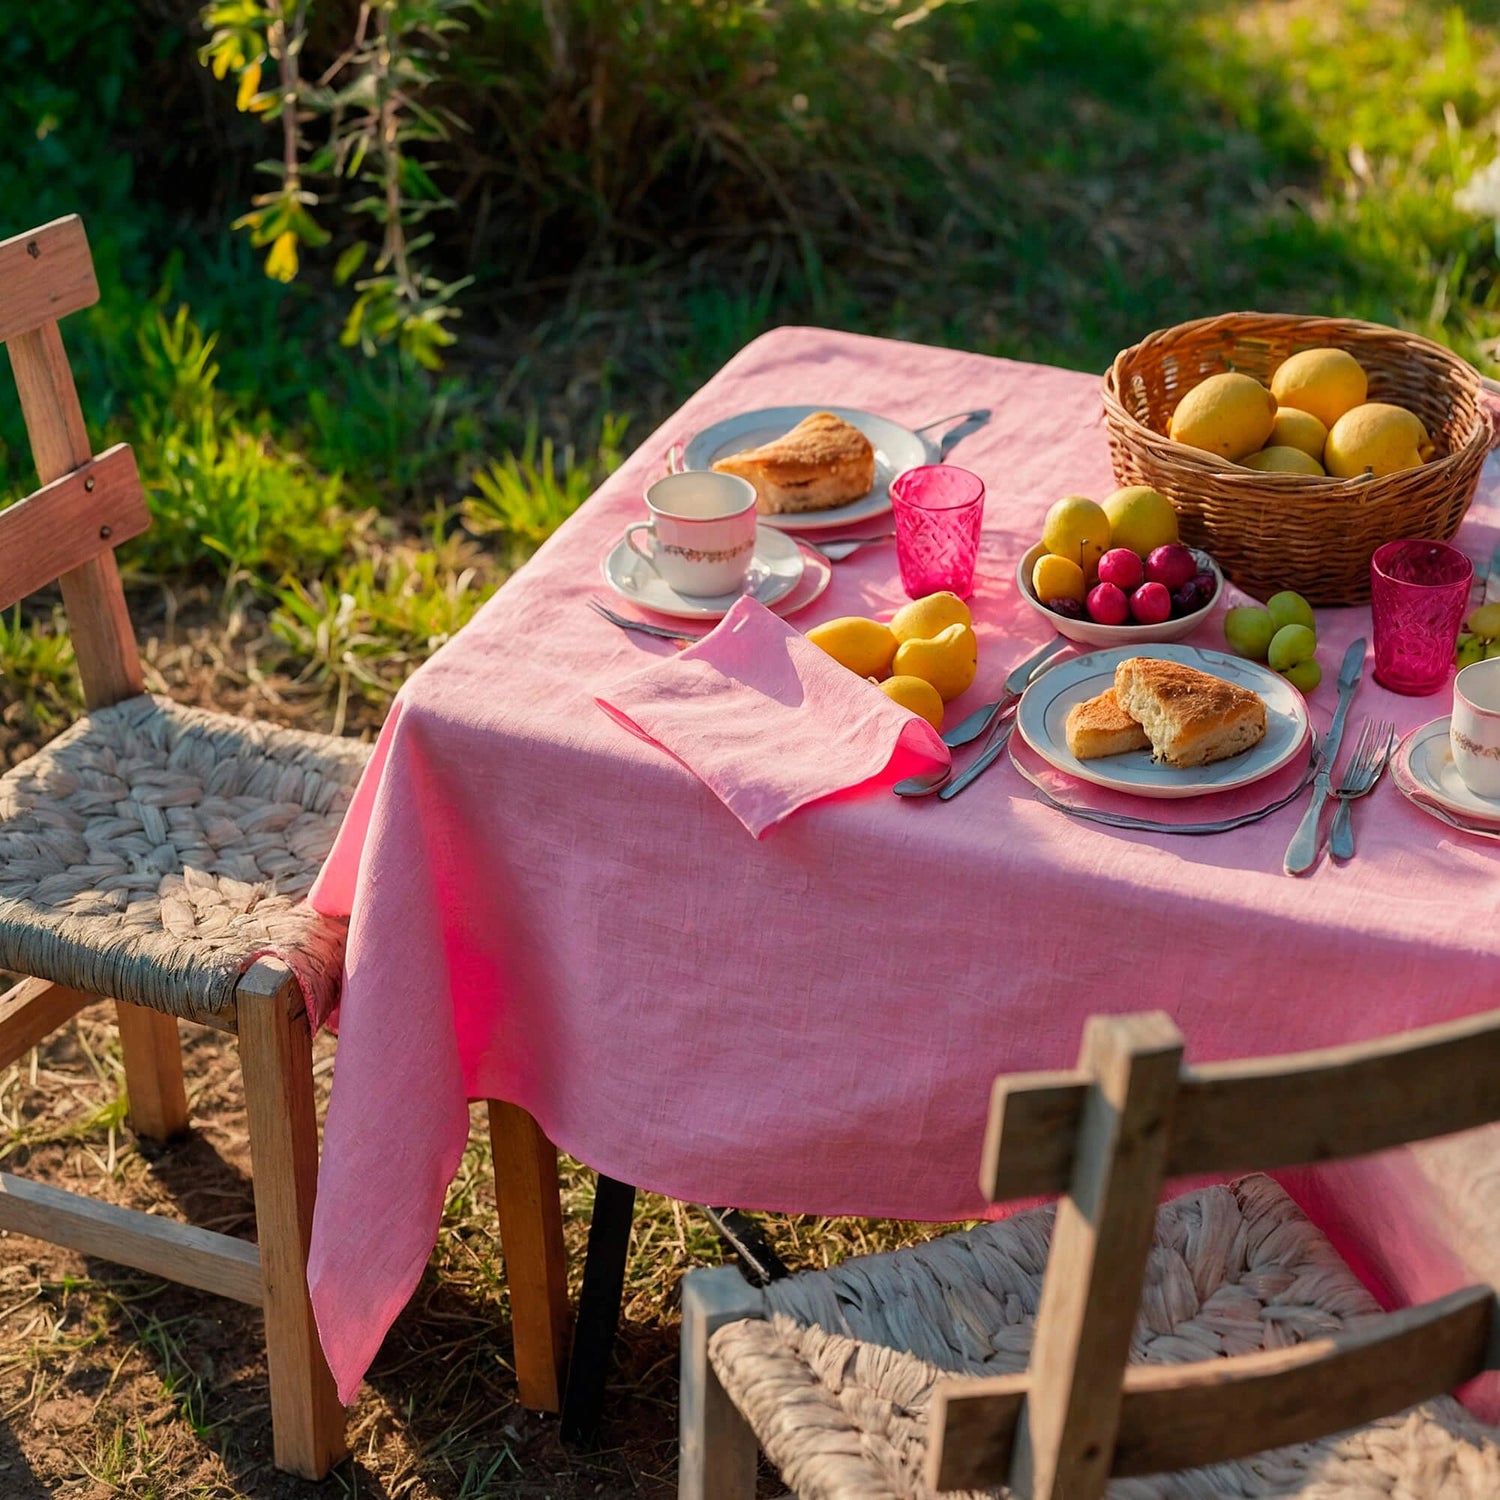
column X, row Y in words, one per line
column 1284, row 531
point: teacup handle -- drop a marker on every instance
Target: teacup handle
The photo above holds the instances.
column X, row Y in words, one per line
column 634, row 546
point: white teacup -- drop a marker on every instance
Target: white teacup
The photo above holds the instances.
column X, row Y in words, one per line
column 1474, row 731
column 701, row 531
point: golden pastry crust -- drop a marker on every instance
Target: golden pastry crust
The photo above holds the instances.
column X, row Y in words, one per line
column 822, row 462
column 1192, row 718
column 1100, row 727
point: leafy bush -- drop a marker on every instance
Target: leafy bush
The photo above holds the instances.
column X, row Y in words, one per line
column 524, row 497
column 224, row 495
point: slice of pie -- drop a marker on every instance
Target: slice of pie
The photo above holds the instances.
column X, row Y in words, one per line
column 1101, row 727
column 1190, row 717
column 820, row 463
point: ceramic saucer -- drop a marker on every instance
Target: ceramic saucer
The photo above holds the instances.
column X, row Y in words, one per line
column 775, row 570
column 817, row 574
column 1424, row 770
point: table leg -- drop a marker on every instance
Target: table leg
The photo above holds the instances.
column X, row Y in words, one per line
column 529, row 1210
column 598, row 1308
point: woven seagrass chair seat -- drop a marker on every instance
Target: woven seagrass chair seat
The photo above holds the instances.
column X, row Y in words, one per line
column 151, row 851
column 835, row 1379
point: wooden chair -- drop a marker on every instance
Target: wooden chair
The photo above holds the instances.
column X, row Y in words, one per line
column 159, row 855
column 1060, row 1358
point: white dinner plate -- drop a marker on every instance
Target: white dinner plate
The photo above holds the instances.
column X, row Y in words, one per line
column 775, row 570
column 1424, row 767
column 1044, row 710
column 896, row 448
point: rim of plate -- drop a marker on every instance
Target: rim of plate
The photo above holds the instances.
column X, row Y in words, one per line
column 703, row 447
column 1281, row 699
column 679, row 606
column 1417, row 787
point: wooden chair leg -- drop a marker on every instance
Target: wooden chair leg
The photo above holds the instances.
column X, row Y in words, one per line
column 153, row 1071
column 716, row 1447
column 276, row 1059
column 528, row 1207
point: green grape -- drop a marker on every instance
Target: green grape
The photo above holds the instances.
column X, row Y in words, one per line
column 1470, row 649
column 1248, row 630
column 1290, row 645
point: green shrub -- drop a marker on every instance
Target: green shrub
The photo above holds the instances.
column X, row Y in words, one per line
column 524, row 497
column 225, row 495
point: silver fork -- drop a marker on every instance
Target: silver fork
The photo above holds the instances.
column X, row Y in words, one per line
column 659, row 632
column 1372, row 752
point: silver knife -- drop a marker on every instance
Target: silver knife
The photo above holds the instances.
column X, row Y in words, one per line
column 1492, row 578
column 1302, row 852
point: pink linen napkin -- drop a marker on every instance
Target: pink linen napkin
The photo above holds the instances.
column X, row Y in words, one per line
column 769, row 722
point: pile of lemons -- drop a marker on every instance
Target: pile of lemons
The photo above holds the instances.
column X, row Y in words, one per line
column 929, row 651
column 1313, row 420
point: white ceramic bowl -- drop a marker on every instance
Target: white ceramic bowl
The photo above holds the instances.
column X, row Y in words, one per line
column 1089, row 633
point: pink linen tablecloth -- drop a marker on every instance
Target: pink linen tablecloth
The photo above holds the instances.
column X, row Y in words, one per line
column 546, row 910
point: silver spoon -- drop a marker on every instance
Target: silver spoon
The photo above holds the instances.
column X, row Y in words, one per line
column 837, row 551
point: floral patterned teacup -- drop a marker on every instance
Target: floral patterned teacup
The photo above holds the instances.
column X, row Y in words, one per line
column 702, row 532
column 1474, row 731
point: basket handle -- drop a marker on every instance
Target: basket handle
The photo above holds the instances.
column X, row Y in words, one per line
column 1489, row 404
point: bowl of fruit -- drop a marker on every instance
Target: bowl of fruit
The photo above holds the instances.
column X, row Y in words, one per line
column 1115, row 574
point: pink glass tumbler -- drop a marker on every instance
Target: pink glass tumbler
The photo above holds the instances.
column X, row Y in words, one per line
column 938, row 508
column 1418, row 593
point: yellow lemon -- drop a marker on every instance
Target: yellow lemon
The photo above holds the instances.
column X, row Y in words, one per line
column 1078, row 529
column 1278, row 460
column 1058, row 578
column 1140, row 519
column 919, row 696
column 1377, row 439
column 1230, row 415
column 864, row 646
column 1298, row 429
column 925, row 617
column 948, row 660
column 1325, row 382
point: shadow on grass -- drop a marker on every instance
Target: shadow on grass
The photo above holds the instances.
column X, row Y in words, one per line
column 17, row 1481
column 439, row 1404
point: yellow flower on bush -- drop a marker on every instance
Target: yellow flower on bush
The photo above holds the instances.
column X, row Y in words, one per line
column 281, row 263
column 249, row 87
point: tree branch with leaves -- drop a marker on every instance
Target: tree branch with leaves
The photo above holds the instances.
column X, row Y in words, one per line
column 368, row 112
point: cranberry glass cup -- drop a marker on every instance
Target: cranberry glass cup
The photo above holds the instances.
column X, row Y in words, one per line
column 938, row 508
column 1418, row 593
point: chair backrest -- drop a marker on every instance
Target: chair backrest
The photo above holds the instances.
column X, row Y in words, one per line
column 68, row 529
column 1105, row 1135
